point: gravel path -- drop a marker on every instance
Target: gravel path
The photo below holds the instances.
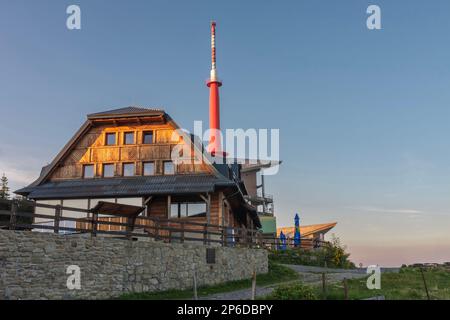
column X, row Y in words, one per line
column 308, row 275
column 308, row 269
column 244, row 294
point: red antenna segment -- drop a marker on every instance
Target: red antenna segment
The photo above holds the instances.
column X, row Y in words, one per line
column 214, row 101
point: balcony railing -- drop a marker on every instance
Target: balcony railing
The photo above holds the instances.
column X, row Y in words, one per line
column 259, row 199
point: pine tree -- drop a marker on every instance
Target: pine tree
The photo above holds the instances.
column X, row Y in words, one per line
column 4, row 189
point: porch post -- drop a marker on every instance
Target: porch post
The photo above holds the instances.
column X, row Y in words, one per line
column 207, row 200
column 224, row 228
column 221, row 209
column 169, row 204
column 146, row 204
column 208, row 216
column 208, row 209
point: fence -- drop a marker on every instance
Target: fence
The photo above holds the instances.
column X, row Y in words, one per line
column 167, row 230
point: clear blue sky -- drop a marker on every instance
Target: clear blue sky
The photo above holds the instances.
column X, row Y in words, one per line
column 363, row 115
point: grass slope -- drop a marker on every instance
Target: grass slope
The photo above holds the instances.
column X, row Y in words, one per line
column 276, row 274
column 406, row 285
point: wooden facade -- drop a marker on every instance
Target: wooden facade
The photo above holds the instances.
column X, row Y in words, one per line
column 92, row 146
column 91, row 149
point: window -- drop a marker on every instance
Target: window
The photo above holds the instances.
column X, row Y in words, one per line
column 110, row 139
column 128, row 138
column 108, row 170
column 88, row 171
column 147, row 137
column 187, row 209
column 128, row 169
column 176, row 209
column 149, row 169
column 169, row 168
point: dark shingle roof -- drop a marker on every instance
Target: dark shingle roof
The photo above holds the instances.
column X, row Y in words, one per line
column 127, row 111
column 126, row 186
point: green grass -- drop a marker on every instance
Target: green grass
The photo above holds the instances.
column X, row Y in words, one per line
column 292, row 291
column 276, row 274
column 406, row 285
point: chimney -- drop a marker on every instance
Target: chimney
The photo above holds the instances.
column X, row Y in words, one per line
column 213, row 83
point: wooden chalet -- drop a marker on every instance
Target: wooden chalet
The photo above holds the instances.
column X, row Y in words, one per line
column 123, row 156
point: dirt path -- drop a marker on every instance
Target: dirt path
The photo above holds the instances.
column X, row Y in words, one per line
column 308, row 275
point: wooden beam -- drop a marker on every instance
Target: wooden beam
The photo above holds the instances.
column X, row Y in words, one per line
column 208, row 209
column 221, row 209
column 203, row 198
column 169, row 204
column 148, row 200
column 57, row 219
column 13, row 216
column 227, row 213
column 146, row 203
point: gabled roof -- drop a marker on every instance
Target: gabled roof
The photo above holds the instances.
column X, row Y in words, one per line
column 130, row 186
column 48, row 169
column 131, row 111
column 307, row 230
column 127, row 186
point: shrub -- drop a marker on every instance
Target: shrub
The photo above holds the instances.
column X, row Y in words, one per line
column 296, row 291
column 336, row 255
column 332, row 255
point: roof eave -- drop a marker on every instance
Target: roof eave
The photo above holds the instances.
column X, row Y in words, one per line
column 129, row 115
column 86, row 125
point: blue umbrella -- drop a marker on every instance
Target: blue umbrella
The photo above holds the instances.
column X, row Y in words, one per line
column 297, row 231
column 282, row 246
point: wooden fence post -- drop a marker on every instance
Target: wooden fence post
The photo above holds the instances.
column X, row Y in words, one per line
column 324, row 286
column 254, row 283
column 205, row 234
column 224, row 236
column 195, row 282
column 94, row 224
column 156, row 230
column 57, row 219
column 182, row 232
column 13, row 216
column 345, row 289
column 425, row 284
column 129, row 227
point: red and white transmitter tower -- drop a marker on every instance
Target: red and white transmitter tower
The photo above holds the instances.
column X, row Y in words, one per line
column 214, row 83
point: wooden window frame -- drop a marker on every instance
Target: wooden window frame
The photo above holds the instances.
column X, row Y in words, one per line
column 93, row 171
column 123, row 169
column 164, row 171
column 143, row 137
column 185, row 204
column 103, row 169
column 106, row 138
column 124, row 142
column 143, row 168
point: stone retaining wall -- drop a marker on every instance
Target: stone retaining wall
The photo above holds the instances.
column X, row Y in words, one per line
column 33, row 265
